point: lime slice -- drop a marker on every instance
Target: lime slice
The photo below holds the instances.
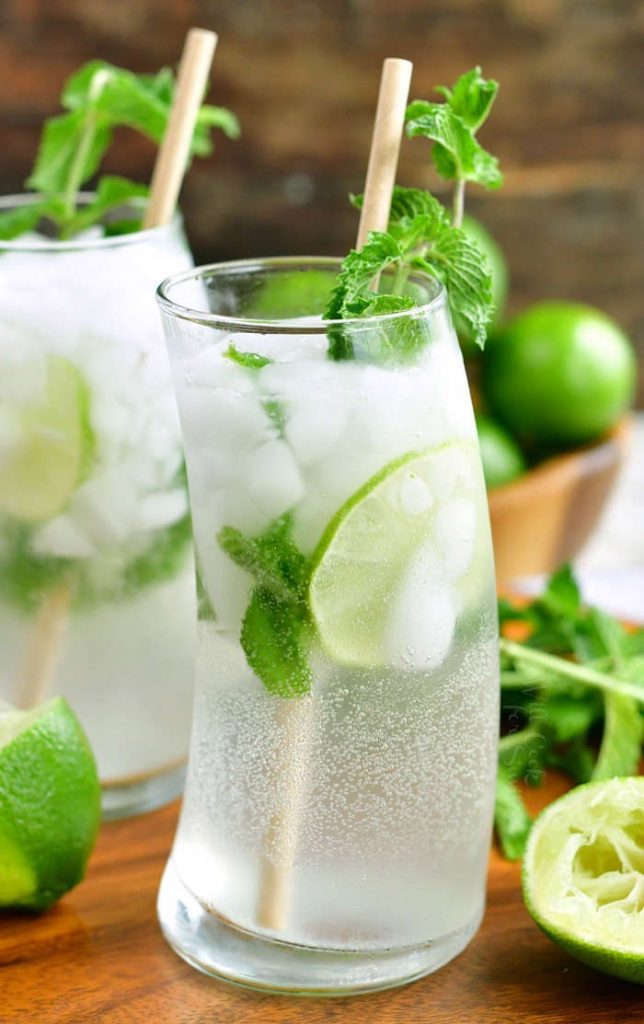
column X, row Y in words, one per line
column 583, row 875
column 49, row 804
column 54, row 447
column 385, row 545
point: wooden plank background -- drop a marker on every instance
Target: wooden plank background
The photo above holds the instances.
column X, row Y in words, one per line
column 302, row 76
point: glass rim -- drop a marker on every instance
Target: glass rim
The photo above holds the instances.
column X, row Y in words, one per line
column 248, row 325
column 75, row 244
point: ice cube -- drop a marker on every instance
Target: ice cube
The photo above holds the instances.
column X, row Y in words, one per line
column 415, row 495
column 423, row 616
column 62, row 538
column 454, row 533
column 158, row 510
column 232, row 423
column 105, row 509
column 316, row 425
column 272, row 478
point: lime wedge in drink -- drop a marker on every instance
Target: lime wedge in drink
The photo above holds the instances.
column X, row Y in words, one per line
column 583, row 875
column 390, row 531
column 54, row 447
column 49, row 804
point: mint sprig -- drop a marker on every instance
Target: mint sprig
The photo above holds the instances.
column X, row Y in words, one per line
column 576, row 689
column 421, row 235
column 99, row 98
column 452, row 126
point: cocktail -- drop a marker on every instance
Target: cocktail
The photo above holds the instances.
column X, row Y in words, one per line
column 337, row 815
column 96, row 592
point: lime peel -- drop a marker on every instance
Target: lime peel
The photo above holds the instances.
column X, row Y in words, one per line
column 583, row 875
column 49, row 804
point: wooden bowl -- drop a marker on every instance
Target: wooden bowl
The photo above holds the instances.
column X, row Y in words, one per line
column 545, row 517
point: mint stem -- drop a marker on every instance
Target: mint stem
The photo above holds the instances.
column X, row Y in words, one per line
column 458, row 203
column 518, row 739
column 571, row 670
column 74, row 181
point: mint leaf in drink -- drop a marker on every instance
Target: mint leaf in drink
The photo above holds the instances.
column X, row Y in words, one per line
column 99, row 98
column 274, row 629
column 255, row 361
column 249, row 360
column 512, row 821
column 272, row 637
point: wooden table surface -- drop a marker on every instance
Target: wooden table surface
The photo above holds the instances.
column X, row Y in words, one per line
column 98, row 956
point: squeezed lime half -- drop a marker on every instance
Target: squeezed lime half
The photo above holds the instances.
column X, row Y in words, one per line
column 54, row 448
column 49, row 804
column 583, row 875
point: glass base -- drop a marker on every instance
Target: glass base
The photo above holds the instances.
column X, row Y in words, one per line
column 122, row 798
column 217, row 948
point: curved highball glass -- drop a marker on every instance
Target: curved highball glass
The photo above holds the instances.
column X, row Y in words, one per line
column 336, row 822
column 96, row 577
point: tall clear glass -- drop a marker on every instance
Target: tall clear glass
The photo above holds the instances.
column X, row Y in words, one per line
column 96, row 577
column 336, row 822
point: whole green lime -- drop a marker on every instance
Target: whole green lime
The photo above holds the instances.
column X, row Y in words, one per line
column 499, row 271
column 500, row 454
column 559, row 374
column 50, row 804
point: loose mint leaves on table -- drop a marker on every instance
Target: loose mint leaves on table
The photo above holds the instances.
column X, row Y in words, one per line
column 98, row 99
column 583, row 717
column 421, row 234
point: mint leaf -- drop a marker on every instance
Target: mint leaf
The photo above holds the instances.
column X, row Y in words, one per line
column 112, row 192
column 621, row 744
column 458, row 262
column 456, row 153
column 274, row 629
column 272, row 558
column 512, row 821
column 352, row 297
column 272, row 637
column 426, row 239
column 562, row 595
column 98, row 98
column 471, row 97
column 250, row 360
column 577, row 761
column 208, row 118
column 70, row 152
column 255, row 361
column 359, row 269
column 569, row 717
column 21, row 219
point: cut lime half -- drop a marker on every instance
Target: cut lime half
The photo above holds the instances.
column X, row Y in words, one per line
column 384, row 546
column 49, row 804
column 54, row 448
column 583, row 875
